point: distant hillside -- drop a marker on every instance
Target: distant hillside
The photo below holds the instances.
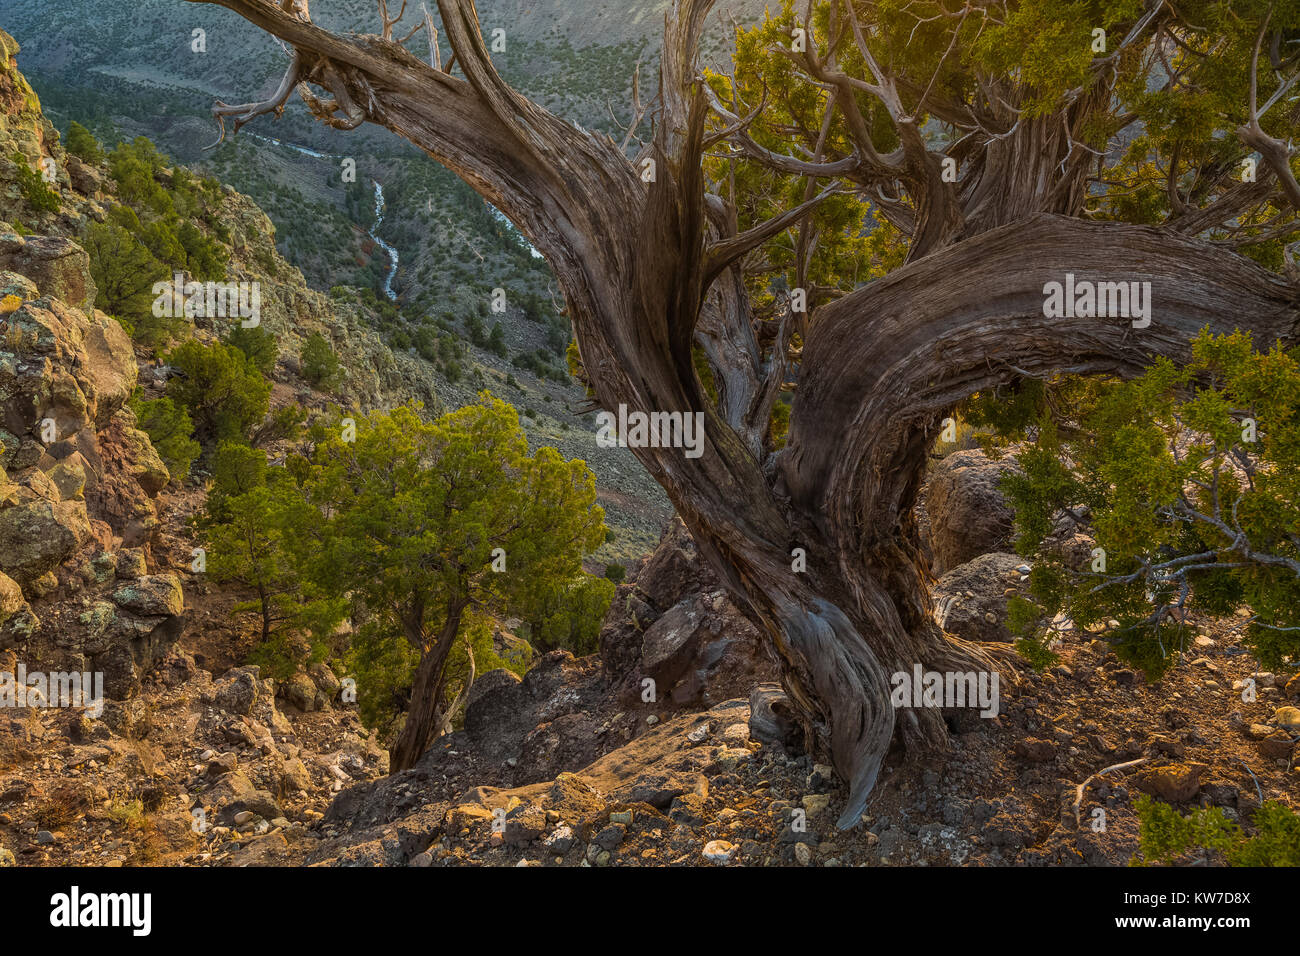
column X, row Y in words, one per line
column 440, row 351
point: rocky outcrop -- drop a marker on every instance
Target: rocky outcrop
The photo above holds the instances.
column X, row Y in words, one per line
column 541, row 725
column 968, row 514
column 675, row 625
column 77, row 480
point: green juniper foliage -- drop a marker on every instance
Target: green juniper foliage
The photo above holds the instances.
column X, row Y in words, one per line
column 320, row 365
column 223, row 390
column 80, row 142
column 34, row 188
column 258, row 344
column 171, row 432
column 167, row 220
column 1189, row 482
column 1164, row 835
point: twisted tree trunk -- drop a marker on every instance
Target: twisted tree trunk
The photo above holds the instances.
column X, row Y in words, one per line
column 881, row 367
column 424, row 719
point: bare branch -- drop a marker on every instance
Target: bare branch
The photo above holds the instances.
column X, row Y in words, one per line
column 726, row 252
column 250, row 111
column 1275, row 153
column 435, row 55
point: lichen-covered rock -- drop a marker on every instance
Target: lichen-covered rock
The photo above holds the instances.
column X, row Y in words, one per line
column 327, row 683
column 86, row 179
column 131, row 564
column 143, row 460
column 59, row 267
column 37, row 536
column 69, row 477
column 118, row 494
column 300, row 691
column 14, row 285
column 237, row 690
column 69, row 366
column 152, row 595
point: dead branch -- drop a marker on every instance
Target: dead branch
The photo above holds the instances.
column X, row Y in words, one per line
column 1078, row 792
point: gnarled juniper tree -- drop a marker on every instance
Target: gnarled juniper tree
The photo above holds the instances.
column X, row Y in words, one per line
column 1008, row 143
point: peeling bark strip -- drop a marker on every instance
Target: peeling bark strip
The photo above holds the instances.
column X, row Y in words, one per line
column 650, row 271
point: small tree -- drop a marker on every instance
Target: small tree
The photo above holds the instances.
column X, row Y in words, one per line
column 125, row 272
column 225, row 393
column 172, row 433
column 258, row 344
column 571, row 615
column 320, row 366
column 1188, row 481
column 80, row 142
column 433, row 521
column 259, row 528
column 33, row 187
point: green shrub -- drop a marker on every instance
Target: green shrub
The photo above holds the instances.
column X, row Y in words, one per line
column 1189, row 479
column 319, row 364
column 34, row 188
column 80, row 142
column 125, row 271
column 570, row 617
column 258, row 344
column 171, row 431
column 1164, row 835
column 224, row 392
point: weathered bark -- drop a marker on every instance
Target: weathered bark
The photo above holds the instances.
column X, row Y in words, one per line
column 423, row 718
column 880, row 368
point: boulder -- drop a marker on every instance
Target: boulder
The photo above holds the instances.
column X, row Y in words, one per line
column 971, row 600
column 69, row 477
column 703, row 650
column 234, row 794
column 131, row 564
column 38, row 536
column 674, row 570
column 86, row 179
column 673, row 573
column 327, row 683
column 127, row 472
column 152, row 595
column 237, row 690
column 300, row 691
column 968, row 512
column 1174, row 783
column 59, row 267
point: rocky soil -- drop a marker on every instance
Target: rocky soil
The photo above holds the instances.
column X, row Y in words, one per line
column 570, row 766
